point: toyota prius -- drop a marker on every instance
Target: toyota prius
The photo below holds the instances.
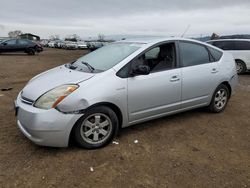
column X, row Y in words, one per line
column 122, row 84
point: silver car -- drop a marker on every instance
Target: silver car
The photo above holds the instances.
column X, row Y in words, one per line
column 122, row 84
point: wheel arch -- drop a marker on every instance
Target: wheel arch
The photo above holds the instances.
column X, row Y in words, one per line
column 238, row 59
column 227, row 84
column 112, row 106
column 243, row 62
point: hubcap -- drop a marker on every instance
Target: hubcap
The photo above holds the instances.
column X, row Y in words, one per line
column 220, row 99
column 96, row 128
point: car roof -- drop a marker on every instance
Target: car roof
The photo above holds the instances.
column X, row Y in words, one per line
column 158, row 40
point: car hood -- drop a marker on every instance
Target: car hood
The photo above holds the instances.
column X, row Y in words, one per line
column 48, row 80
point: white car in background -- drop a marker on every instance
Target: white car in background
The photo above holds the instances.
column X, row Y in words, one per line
column 82, row 45
column 239, row 48
column 70, row 45
column 51, row 44
column 59, row 44
column 44, row 42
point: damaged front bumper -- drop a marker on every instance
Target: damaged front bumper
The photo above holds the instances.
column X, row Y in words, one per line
column 45, row 127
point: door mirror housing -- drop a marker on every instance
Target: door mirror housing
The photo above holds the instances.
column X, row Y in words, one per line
column 141, row 70
column 4, row 43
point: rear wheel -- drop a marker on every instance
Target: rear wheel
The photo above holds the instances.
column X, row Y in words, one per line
column 240, row 66
column 220, row 99
column 96, row 128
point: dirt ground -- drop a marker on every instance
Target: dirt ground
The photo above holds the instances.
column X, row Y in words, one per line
column 191, row 149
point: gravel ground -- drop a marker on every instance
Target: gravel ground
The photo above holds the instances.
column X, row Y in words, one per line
column 191, row 149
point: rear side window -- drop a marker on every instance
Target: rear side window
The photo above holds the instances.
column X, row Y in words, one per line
column 242, row 45
column 216, row 54
column 193, row 54
column 224, row 45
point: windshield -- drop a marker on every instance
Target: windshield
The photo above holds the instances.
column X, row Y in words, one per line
column 106, row 57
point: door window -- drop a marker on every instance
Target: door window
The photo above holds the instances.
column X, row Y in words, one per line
column 152, row 54
column 23, row 42
column 215, row 53
column 193, row 54
column 225, row 45
column 11, row 42
column 159, row 58
column 242, row 45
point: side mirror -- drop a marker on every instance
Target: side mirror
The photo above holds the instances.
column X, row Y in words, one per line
column 141, row 70
column 4, row 43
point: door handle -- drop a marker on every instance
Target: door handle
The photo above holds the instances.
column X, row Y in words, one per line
column 174, row 79
column 214, row 70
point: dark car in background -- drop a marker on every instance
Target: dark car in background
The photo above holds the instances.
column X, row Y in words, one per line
column 20, row 45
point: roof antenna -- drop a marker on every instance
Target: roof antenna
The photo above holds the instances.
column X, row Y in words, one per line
column 188, row 27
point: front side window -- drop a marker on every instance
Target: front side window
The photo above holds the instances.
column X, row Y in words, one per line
column 10, row 42
column 106, row 57
column 152, row 54
column 159, row 58
column 193, row 54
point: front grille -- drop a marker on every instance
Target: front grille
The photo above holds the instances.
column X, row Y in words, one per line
column 26, row 100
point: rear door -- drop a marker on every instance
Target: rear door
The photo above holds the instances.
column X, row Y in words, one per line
column 200, row 75
column 22, row 44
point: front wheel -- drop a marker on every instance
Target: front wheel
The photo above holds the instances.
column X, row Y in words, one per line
column 220, row 99
column 96, row 128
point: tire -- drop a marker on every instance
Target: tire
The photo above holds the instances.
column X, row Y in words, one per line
column 220, row 99
column 241, row 67
column 96, row 128
column 31, row 51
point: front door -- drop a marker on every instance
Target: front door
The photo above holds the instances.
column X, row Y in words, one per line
column 158, row 93
column 9, row 46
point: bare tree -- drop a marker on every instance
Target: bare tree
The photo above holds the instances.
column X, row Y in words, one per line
column 15, row 34
column 77, row 37
column 73, row 37
column 214, row 36
column 101, row 37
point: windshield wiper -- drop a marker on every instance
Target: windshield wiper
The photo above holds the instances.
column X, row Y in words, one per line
column 89, row 66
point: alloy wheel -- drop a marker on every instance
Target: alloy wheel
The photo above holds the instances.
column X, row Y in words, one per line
column 221, row 99
column 96, row 128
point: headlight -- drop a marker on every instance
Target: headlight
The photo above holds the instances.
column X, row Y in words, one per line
column 53, row 97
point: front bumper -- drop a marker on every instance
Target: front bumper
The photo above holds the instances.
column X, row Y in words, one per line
column 45, row 127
